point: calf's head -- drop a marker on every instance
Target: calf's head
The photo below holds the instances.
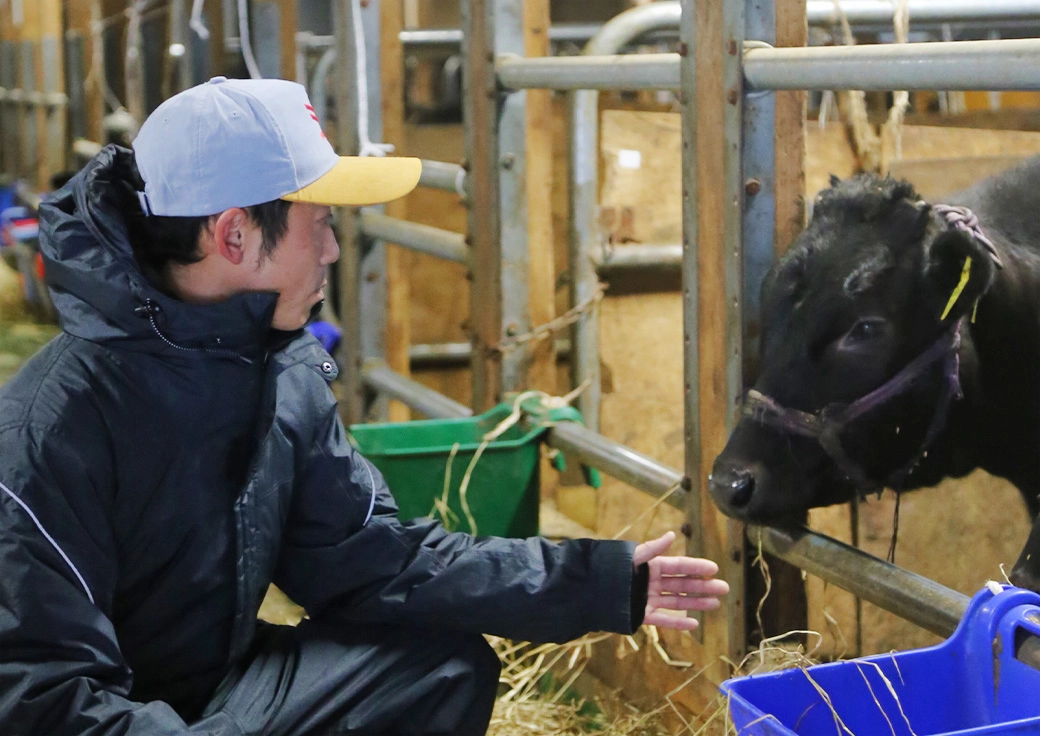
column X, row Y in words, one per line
column 856, row 299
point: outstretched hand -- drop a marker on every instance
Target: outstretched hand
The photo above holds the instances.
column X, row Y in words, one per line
column 678, row 584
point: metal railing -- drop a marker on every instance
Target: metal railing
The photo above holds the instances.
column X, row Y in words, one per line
column 942, row 66
column 913, row 597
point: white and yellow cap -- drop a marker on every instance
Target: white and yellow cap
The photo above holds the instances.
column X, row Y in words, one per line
column 242, row 142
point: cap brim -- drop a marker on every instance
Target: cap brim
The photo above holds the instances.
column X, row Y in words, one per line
column 360, row 181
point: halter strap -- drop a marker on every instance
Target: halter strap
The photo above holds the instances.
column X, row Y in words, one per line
column 827, row 424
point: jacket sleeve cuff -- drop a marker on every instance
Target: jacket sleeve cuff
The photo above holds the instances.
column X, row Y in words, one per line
column 640, row 594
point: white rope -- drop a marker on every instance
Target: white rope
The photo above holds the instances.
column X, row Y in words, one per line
column 243, row 38
column 366, row 147
column 196, row 23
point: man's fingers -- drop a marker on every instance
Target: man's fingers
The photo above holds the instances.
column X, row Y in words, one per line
column 688, row 586
column 691, row 566
column 647, row 551
column 682, row 603
column 664, row 621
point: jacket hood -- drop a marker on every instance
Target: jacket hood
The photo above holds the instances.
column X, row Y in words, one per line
column 99, row 290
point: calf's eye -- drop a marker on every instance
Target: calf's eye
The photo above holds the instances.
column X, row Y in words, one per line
column 864, row 331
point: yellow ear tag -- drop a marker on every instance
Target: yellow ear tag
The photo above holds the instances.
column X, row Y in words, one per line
column 965, row 274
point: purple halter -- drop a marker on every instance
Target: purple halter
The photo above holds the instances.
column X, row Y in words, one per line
column 827, row 424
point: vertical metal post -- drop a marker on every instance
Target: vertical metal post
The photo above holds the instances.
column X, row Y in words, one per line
column 362, row 264
column 372, row 286
column 585, row 239
column 350, row 355
column 690, row 278
column 29, row 142
column 495, row 136
column 74, row 84
column 9, row 122
column 56, row 115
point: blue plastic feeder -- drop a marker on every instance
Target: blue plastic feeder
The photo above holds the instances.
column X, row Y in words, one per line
column 969, row 684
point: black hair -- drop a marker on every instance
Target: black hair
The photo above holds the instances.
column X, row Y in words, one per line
column 163, row 240
column 160, row 240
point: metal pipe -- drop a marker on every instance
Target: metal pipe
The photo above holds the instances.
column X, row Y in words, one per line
column 442, row 175
column 379, row 377
column 584, row 236
column 818, row 13
column 447, row 352
column 621, row 462
column 648, row 255
column 917, row 599
column 317, row 91
column 913, row 597
column 945, row 65
column 423, row 354
column 879, row 12
column 615, row 71
column 433, row 241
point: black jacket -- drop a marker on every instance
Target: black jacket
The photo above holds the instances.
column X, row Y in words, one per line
column 161, row 464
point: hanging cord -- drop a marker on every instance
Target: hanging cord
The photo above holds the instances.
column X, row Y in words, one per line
column 891, row 557
column 196, row 23
column 244, row 41
column 893, row 127
column 541, row 332
column 365, row 145
column 865, row 142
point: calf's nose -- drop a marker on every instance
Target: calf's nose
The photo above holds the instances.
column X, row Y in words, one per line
column 732, row 488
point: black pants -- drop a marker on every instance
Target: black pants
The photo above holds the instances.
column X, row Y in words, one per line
column 319, row 680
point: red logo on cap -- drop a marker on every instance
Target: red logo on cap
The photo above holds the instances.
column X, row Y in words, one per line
column 314, row 117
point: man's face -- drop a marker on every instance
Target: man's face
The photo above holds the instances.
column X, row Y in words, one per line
column 297, row 267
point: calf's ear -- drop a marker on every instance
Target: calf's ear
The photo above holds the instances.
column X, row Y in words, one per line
column 959, row 270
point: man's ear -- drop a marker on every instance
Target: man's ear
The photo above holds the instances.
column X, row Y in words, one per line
column 229, row 234
column 959, row 270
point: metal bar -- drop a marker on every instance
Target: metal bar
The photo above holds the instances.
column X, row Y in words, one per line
column 818, row 13
column 9, row 116
column 642, row 255
column 75, row 83
column 373, row 285
column 944, row 65
column 29, row 145
column 617, row 460
column 616, row 72
column 380, row 378
column 913, row 597
column 514, row 257
column 690, row 280
column 442, row 175
column 879, row 12
column 451, row 37
column 421, row 354
column 349, row 269
column 435, row 353
column 56, row 117
column 584, row 236
column 433, row 241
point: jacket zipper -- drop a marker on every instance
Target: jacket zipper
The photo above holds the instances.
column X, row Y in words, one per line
column 149, row 309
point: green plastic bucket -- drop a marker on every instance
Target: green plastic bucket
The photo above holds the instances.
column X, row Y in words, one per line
column 503, row 491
